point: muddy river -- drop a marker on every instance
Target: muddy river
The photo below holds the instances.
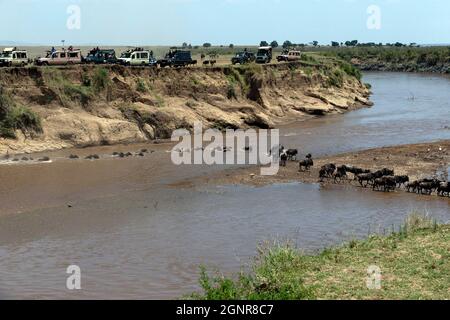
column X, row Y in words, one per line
column 135, row 237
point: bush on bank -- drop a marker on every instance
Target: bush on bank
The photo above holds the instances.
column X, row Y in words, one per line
column 420, row 57
column 15, row 117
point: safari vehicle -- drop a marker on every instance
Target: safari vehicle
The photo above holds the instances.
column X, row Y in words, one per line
column 243, row 57
column 264, row 55
column 290, row 55
column 60, row 58
column 101, row 56
column 177, row 58
column 13, row 57
column 135, row 57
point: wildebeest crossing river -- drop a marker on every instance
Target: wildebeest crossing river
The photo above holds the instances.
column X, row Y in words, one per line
column 133, row 237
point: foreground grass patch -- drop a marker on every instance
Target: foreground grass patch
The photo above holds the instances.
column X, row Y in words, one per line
column 414, row 264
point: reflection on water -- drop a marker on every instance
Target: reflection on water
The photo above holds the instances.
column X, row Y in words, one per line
column 135, row 238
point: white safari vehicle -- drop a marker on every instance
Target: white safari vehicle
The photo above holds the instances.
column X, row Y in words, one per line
column 12, row 57
column 61, row 58
column 135, row 57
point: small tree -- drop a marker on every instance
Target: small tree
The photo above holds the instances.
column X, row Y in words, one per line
column 334, row 44
column 287, row 44
column 264, row 44
column 231, row 46
column 315, row 43
column 207, row 45
column 274, row 44
column 352, row 43
column 184, row 45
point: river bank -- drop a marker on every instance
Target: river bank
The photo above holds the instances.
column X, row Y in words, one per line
column 416, row 161
column 412, row 263
column 397, row 59
column 53, row 108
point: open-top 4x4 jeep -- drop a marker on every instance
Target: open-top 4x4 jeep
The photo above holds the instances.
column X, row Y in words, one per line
column 243, row 57
column 61, row 57
column 135, row 57
column 12, row 57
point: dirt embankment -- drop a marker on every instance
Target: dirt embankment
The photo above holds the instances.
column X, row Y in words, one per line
column 416, row 161
column 88, row 105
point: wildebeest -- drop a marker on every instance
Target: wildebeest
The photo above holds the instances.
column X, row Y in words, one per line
column 340, row 174
column 444, row 189
column 276, row 149
column 365, row 179
column 93, row 157
column 292, row 154
column 306, row 164
column 383, row 173
column 283, row 159
column 44, row 159
column 401, row 180
column 386, row 184
column 356, row 170
column 327, row 171
column 428, row 187
column 412, row 186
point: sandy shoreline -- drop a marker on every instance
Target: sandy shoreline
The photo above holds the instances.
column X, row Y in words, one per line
column 415, row 160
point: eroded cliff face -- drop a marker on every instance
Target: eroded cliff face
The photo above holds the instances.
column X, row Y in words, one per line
column 90, row 105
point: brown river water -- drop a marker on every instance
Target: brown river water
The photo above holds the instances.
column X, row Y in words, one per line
column 136, row 238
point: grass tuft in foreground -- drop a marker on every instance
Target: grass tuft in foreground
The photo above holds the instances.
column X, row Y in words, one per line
column 414, row 264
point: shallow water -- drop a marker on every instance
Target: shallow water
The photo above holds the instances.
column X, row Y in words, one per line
column 134, row 237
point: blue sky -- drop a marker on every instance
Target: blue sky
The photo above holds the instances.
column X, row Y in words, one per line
column 171, row 22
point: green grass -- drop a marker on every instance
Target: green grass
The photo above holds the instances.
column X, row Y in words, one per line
column 426, row 56
column 15, row 117
column 414, row 263
column 68, row 91
column 141, row 86
column 101, row 79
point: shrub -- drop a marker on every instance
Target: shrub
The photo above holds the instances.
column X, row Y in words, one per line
column 231, row 92
column 351, row 70
column 77, row 92
column 141, row 86
column 14, row 117
column 101, row 79
column 336, row 78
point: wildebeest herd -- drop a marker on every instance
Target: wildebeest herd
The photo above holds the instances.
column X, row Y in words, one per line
column 381, row 180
